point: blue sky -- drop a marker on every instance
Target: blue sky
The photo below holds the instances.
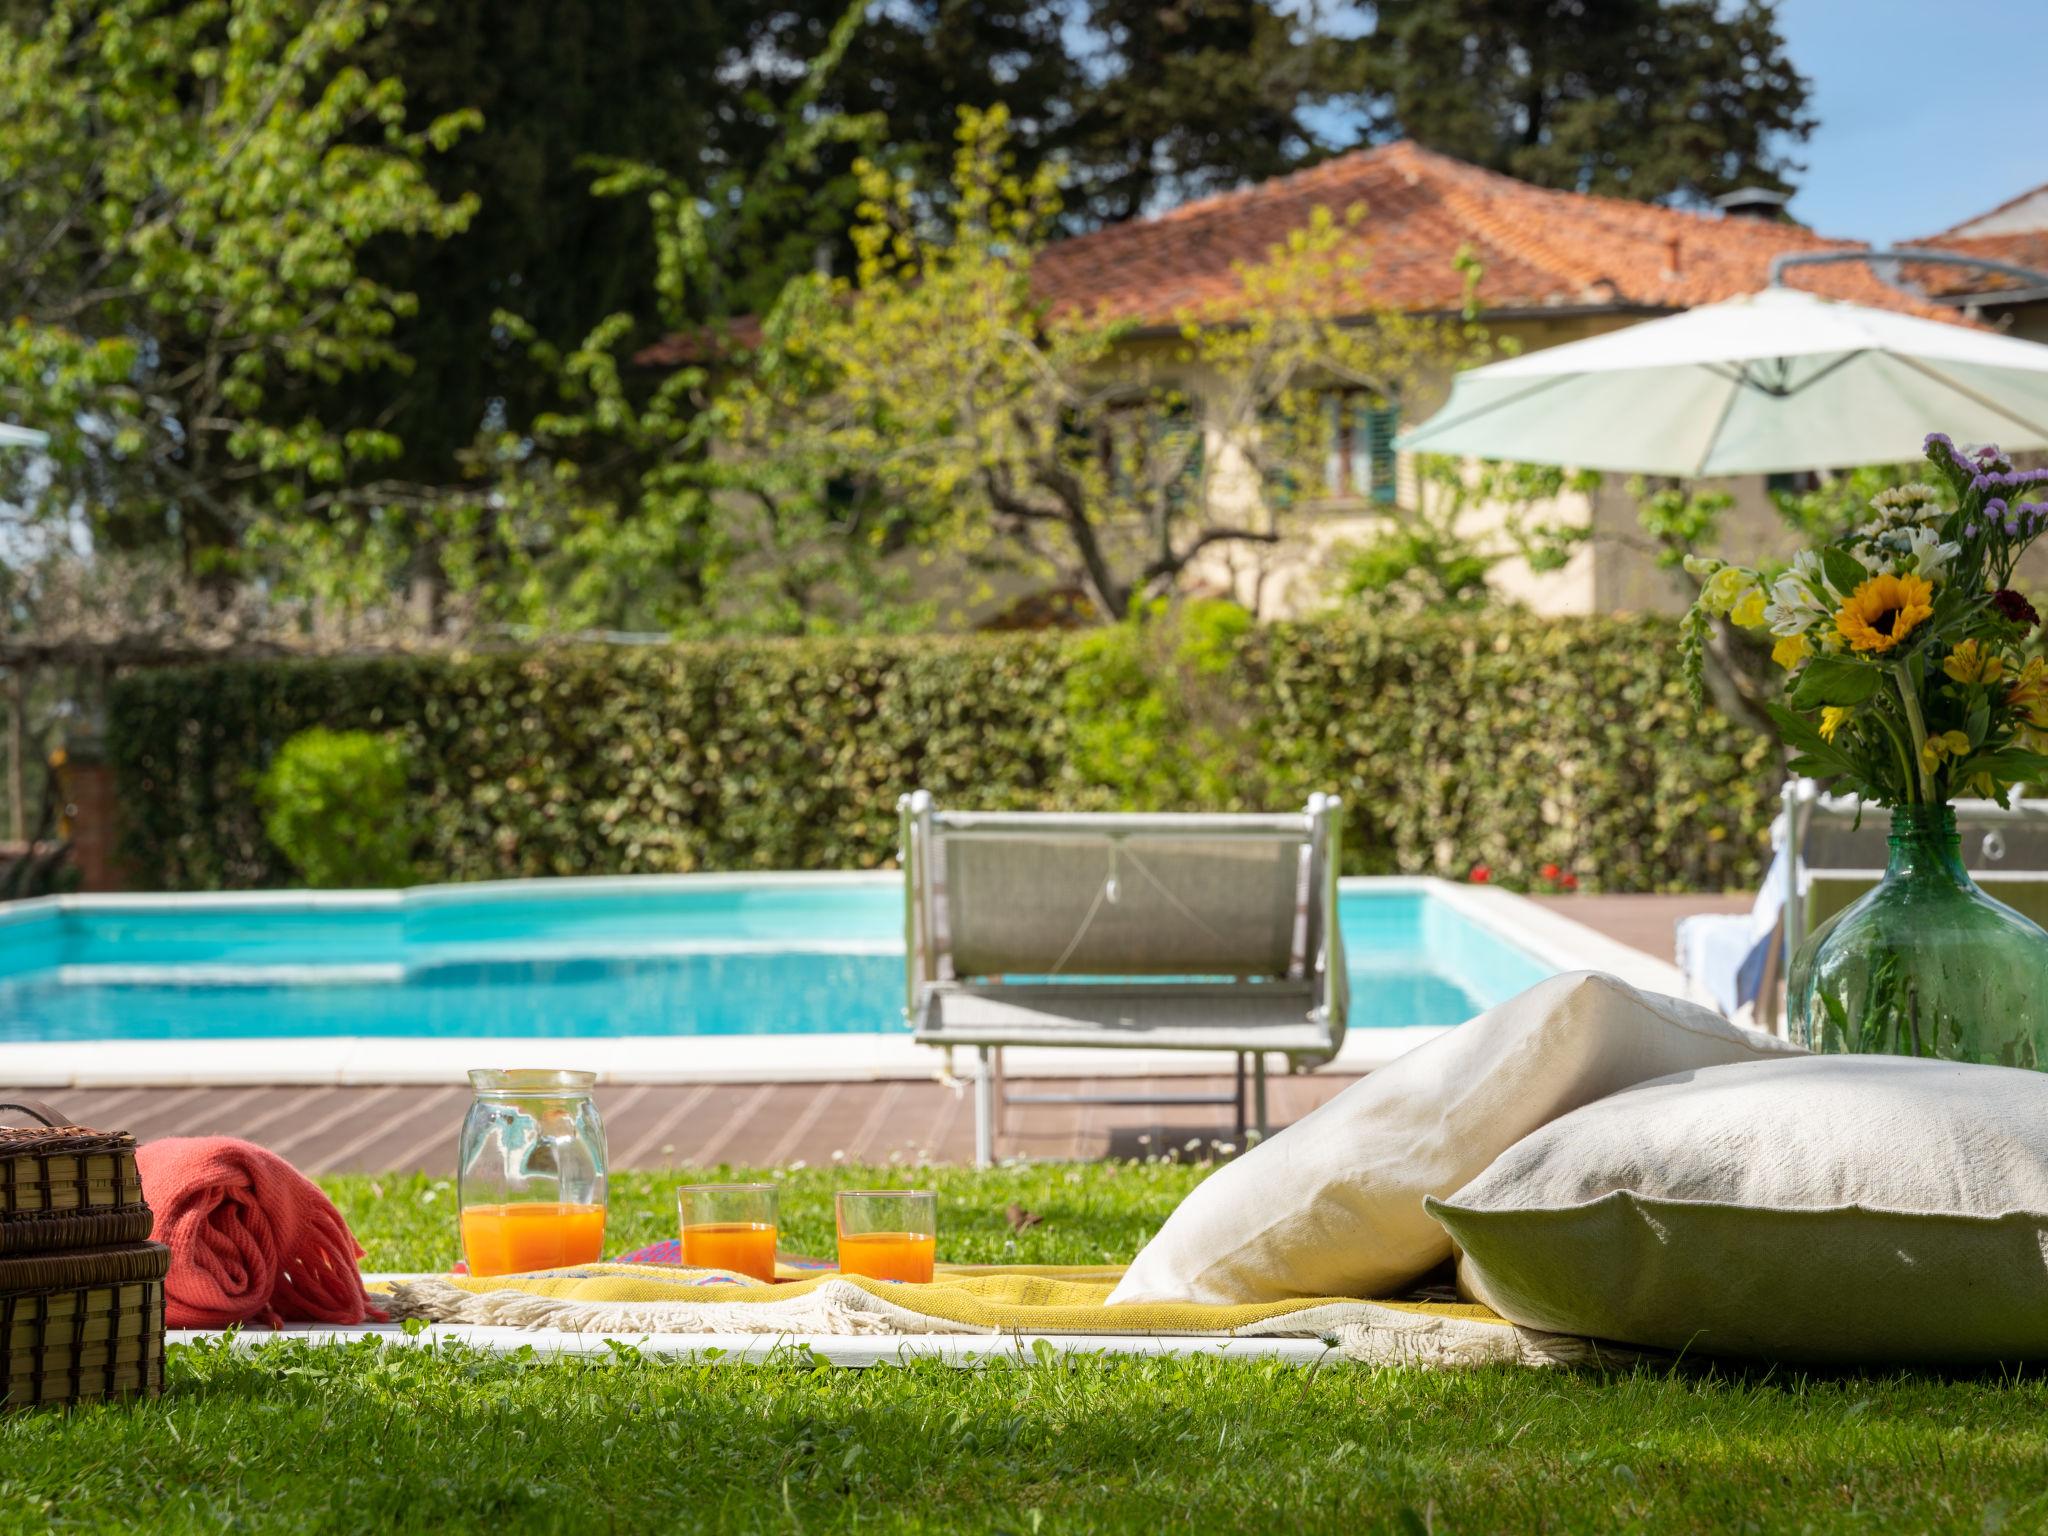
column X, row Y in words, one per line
column 1930, row 110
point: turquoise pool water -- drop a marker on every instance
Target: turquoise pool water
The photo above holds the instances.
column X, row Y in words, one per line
column 570, row 960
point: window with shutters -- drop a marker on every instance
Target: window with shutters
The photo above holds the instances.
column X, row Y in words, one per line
column 1361, row 430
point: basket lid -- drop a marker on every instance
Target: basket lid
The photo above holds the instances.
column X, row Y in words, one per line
column 74, row 1268
column 66, row 1186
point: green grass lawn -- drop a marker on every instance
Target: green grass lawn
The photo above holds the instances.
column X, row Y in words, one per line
column 362, row 1439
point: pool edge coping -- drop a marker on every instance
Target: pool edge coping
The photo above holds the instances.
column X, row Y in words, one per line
column 1541, row 932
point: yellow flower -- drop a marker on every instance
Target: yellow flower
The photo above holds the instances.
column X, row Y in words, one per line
column 1832, row 719
column 2029, row 691
column 1749, row 611
column 1791, row 651
column 1944, row 745
column 1883, row 611
column 1723, row 589
column 1967, row 663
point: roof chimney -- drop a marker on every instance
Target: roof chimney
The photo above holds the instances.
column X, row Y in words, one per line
column 1753, row 203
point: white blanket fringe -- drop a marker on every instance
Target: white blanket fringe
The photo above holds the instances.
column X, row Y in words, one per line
column 1390, row 1336
column 830, row 1308
column 1361, row 1331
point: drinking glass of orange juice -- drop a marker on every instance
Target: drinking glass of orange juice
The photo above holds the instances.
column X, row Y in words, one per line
column 888, row 1234
column 530, row 1172
column 730, row 1226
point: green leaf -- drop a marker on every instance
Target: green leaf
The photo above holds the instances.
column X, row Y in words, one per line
column 1833, row 680
column 1842, row 569
column 1978, row 723
column 1805, row 737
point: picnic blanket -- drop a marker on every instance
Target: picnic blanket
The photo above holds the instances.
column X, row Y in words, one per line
column 628, row 1299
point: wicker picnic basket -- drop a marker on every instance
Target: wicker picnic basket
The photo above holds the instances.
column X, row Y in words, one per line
column 81, row 1292
column 63, row 1186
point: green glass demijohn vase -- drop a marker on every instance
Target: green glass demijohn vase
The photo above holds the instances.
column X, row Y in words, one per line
column 1924, row 963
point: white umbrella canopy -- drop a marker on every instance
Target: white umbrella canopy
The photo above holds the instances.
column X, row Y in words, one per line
column 1774, row 381
column 12, row 436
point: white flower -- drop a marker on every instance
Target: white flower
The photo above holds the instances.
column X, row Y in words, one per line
column 1917, row 503
column 1796, row 598
column 1930, row 555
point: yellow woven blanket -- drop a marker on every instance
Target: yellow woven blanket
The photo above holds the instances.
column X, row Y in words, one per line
column 635, row 1299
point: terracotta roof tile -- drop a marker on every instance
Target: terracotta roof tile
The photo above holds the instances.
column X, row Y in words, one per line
column 1538, row 248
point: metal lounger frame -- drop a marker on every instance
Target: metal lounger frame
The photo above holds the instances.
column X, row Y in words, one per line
column 1245, row 1011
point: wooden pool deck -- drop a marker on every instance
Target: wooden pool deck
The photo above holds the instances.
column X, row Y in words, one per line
column 650, row 1126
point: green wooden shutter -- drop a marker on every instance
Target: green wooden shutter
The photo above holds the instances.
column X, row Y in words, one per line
column 1382, row 423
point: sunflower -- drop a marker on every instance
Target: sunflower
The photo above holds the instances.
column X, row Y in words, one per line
column 1883, row 611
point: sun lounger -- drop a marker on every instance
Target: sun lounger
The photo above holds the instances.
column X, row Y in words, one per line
column 1156, row 932
column 1831, row 849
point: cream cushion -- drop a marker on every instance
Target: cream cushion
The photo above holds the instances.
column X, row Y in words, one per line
column 1332, row 1206
column 1833, row 1209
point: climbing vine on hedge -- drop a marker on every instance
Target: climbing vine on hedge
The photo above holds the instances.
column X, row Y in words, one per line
column 1511, row 742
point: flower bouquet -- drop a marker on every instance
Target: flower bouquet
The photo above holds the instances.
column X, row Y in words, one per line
column 1912, row 677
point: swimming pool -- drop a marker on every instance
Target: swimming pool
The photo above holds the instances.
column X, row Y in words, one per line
column 680, row 957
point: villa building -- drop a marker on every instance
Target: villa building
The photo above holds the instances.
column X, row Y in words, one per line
column 1552, row 267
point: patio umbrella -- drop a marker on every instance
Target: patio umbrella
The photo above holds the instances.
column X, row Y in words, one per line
column 12, row 436
column 1773, row 381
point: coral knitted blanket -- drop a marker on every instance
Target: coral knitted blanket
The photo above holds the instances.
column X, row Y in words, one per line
column 252, row 1239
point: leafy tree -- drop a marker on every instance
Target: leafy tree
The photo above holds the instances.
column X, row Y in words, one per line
column 1648, row 99
column 600, row 510
column 556, row 82
column 933, row 389
column 1185, row 97
column 185, row 195
column 905, row 70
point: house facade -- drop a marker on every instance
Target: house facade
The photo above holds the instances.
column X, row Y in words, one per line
column 1553, row 267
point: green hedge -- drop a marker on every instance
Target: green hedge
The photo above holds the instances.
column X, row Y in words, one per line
column 1511, row 742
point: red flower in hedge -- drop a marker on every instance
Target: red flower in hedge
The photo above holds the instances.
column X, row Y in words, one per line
column 1550, row 872
column 1480, row 874
column 2015, row 608
column 1570, row 881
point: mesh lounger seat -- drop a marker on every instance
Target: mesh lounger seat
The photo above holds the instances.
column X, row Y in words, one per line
column 1155, row 932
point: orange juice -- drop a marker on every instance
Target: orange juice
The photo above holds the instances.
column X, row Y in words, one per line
column 744, row 1247
column 535, row 1234
column 888, row 1255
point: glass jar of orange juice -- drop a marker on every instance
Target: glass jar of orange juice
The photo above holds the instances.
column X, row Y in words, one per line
column 530, row 1173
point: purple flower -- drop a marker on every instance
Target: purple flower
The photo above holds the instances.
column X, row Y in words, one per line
column 1970, row 532
column 1995, row 507
column 1939, row 437
column 2012, row 530
column 2009, row 479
